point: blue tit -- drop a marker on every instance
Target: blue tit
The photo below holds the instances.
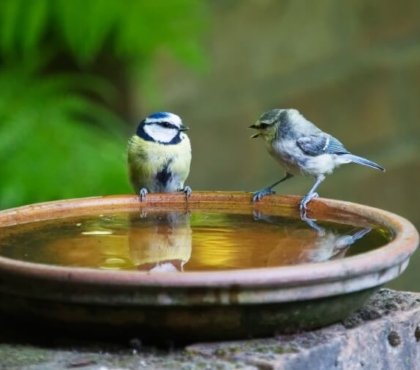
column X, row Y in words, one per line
column 301, row 148
column 159, row 155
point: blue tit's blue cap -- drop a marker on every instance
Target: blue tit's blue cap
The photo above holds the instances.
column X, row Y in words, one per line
column 159, row 115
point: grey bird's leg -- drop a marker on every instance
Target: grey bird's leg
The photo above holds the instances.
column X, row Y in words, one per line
column 259, row 194
column 311, row 195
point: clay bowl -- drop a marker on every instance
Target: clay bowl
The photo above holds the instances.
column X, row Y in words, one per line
column 208, row 305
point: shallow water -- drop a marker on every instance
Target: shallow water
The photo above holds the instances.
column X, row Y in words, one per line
column 179, row 241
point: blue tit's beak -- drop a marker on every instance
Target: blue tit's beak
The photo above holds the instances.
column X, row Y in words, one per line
column 183, row 128
column 255, row 127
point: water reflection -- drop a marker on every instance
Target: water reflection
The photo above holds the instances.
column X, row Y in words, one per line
column 167, row 244
column 173, row 241
column 325, row 244
column 331, row 245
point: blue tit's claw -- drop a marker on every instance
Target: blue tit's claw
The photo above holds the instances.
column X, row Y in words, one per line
column 142, row 194
column 187, row 190
column 259, row 194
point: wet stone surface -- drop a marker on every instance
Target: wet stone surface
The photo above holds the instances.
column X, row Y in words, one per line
column 382, row 334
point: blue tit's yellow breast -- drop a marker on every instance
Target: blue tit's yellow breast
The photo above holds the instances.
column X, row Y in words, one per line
column 150, row 162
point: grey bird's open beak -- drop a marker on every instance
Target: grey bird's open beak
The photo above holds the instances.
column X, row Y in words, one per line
column 255, row 127
column 183, row 128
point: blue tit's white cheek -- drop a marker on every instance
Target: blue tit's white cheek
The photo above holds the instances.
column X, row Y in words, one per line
column 158, row 133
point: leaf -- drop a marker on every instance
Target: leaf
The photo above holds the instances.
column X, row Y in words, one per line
column 33, row 25
column 85, row 25
column 50, row 148
column 87, row 30
column 9, row 21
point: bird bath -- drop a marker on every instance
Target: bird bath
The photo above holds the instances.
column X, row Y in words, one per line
column 215, row 267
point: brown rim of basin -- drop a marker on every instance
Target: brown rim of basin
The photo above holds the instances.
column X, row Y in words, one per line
column 276, row 284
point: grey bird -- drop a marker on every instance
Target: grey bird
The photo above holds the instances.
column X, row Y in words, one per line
column 302, row 149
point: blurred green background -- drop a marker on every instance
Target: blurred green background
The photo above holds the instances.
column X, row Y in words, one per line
column 77, row 76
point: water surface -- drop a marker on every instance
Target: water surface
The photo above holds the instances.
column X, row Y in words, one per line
column 180, row 241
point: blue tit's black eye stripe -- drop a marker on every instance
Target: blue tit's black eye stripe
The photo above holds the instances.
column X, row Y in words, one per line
column 263, row 125
column 143, row 134
column 166, row 124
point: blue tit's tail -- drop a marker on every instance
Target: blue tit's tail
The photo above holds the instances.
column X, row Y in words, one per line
column 363, row 161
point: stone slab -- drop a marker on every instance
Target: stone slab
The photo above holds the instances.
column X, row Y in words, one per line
column 384, row 334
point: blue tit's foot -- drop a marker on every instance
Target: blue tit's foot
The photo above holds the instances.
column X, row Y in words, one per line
column 259, row 194
column 142, row 194
column 303, row 205
column 187, row 191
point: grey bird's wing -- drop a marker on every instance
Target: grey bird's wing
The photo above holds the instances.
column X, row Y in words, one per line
column 320, row 144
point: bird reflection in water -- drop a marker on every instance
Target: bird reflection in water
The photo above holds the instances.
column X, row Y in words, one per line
column 166, row 244
column 317, row 243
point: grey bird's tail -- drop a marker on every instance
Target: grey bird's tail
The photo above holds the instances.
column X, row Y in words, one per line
column 363, row 161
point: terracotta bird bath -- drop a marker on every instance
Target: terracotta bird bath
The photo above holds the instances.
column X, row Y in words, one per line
column 164, row 287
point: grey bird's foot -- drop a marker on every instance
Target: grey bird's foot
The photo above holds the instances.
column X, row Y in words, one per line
column 304, row 202
column 187, row 190
column 259, row 194
column 142, row 194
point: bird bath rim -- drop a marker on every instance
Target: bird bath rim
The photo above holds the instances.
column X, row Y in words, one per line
column 271, row 284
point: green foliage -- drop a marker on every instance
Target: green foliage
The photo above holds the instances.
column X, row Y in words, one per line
column 47, row 151
column 58, row 135
column 132, row 30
